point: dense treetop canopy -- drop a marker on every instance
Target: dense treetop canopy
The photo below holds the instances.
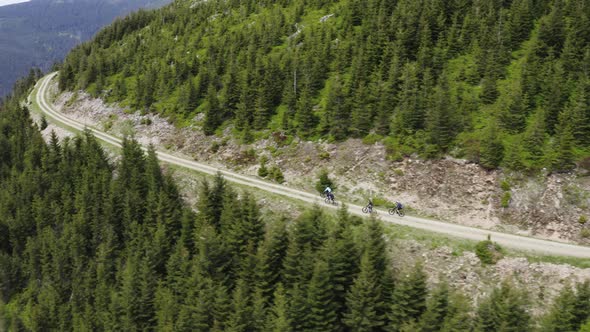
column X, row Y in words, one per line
column 500, row 82
column 88, row 244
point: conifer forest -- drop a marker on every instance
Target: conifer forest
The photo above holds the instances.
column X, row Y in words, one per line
column 502, row 82
column 91, row 242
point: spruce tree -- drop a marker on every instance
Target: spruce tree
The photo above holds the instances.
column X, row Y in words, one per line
column 437, row 310
column 582, row 304
column 321, row 301
column 409, row 299
column 504, row 310
column 305, row 117
column 561, row 316
column 564, row 159
column 336, row 117
column 492, row 149
column 363, row 300
column 278, row 320
column 240, row 319
column 440, row 119
column 213, row 116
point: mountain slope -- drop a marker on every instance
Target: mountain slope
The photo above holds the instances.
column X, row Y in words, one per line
column 502, row 83
column 82, row 248
column 40, row 33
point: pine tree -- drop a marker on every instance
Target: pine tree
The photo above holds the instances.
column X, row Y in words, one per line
column 492, row 149
column 375, row 248
column 269, row 259
column 440, row 121
column 459, row 316
column 336, row 117
column 437, row 310
column 305, row 117
column 489, row 90
column 363, row 300
column 341, row 254
column 298, row 307
column 513, row 118
column 361, row 113
column 504, row 310
column 320, row 297
column 582, row 305
column 213, row 116
column 279, row 315
column 409, row 299
column 564, row 159
column 240, row 318
column 561, row 316
column 534, row 137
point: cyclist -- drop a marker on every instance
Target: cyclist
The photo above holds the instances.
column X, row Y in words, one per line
column 399, row 205
column 370, row 206
column 328, row 192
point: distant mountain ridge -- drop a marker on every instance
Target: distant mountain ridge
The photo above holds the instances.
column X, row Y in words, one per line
column 41, row 32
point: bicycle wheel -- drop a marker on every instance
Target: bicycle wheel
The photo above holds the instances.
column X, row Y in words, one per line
column 392, row 211
column 365, row 210
column 401, row 213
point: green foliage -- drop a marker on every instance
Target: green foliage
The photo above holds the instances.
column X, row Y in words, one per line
column 505, row 185
column 504, row 310
column 372, row 139
column 215, row 146
column 43, row 124
column 418, row 82
column 492, row 149
column 409, row 299
column 488, row 252
column 363, row 300
column 505, row 201
column 276, row 174
column 570, row 309
column 263, row 171
column 324, row 155
column 583, row 219
column 88, row 244
column 324, row 181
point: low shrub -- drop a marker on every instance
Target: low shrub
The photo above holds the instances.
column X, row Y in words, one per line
column 276, row 174
column 372, row 139
column 263, row 171
column 506, row 199
column 505, row 185
column 324, row 155
column 488, row 252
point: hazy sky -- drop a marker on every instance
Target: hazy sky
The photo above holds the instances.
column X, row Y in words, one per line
column 10, row 2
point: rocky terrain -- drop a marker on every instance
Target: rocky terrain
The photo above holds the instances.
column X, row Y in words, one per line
column 553, row 206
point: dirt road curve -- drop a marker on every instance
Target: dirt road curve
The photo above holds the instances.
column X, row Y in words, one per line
column 507, row 240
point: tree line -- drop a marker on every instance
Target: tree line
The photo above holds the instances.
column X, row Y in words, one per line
column 89, row 244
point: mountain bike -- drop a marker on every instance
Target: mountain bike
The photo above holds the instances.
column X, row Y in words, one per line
column 330, row 199
column 368, row 209
column 395, row 210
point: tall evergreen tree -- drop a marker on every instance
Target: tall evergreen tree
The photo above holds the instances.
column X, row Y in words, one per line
column 363, row 300
column 492, row 149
